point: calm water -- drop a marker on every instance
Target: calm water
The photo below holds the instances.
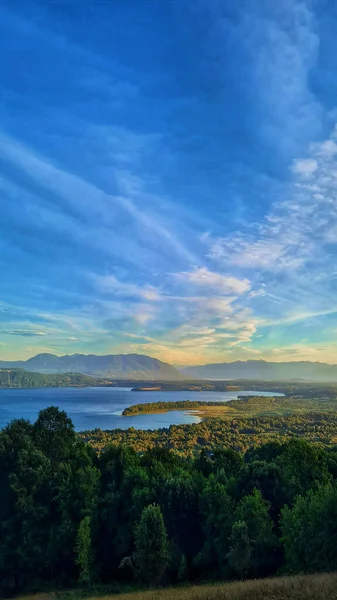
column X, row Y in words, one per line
column 102, row 407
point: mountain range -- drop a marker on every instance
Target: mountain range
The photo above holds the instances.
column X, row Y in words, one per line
column 119, row 366
column 141, row 367
column 261, row 369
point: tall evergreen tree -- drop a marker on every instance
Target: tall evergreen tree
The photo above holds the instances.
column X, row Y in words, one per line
column 84, row 550
column 151, row 553
column 240, row 553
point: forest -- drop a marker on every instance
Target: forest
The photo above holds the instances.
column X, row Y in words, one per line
column 153, row 407
column 72, row 516
column 20, row 378
column 238, row 425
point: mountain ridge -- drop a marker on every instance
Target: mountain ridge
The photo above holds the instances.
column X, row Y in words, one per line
column 116, row 366
column 262, row 369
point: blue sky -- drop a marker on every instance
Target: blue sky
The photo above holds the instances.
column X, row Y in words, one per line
column 168, row 179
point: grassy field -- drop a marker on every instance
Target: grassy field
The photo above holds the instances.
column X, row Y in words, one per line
column 301, row 587
column 312, row 587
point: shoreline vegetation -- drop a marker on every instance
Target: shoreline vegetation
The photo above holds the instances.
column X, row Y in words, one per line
column 160, row 407
column 240, row 424
column 21, row 379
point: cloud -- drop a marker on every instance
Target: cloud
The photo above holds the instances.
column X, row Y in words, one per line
column 288, row 44
column 223, row 284
column 326, row 149
column 104, row 182
column 244, row 251
column 109, row 284
column 292, row 235
column 24, row 332
column 304, row 167
column 257, row 293
column 95, row 205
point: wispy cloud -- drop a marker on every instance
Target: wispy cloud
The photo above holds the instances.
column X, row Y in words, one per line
column 288, row 45
column 109, row 284
column 112, row 172
column 95, row 205
column 23, row 332
column 203, row 278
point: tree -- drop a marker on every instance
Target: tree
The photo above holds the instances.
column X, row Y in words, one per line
column 253, row 510
column 216, row 509
column 84, row 551
column 151, row 553
column 183, row 569
column 227, row 459
column 303, row 466
column 54, row 433
column 240, row 552
column 309, row 531
column 178, row 500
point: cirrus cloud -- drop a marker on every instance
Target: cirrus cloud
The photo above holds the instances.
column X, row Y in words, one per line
column 224, row 284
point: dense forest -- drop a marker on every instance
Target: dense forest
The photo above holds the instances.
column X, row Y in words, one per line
column 153, row 407
column 238, row 434
column 304, row 389
column 19, row 378
column 71, row 516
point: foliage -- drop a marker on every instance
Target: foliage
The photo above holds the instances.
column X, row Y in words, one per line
column 151, row 546
column 240, row 551
column 153, row 407
column 19, row 378
column 83, row 550
column 309, row 531
column 253, row 510
column 170, row 516
column 183, row 569
column 238, row 433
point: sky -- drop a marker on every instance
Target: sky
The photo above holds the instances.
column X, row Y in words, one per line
column 168, row 179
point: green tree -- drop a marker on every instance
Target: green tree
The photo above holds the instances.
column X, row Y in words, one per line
column 216, row 509
column 303, row 466
column 227, row 460
column 309, row 531
column 84, row 550
column 253, row 510
column 151, row 546
column 239, row 556
column 183, row 569
column 54, row 434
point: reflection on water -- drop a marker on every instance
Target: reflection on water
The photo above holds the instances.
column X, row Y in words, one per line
column 90, row 408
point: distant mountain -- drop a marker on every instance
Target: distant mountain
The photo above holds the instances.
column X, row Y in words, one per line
column 260, row 369
column 119, row 366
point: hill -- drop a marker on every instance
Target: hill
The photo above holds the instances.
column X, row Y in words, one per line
column 19, row 378
column 261, row 369
column 119, row 366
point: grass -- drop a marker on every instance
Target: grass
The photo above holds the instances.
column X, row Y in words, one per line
column 299, row 587
column 306, row 587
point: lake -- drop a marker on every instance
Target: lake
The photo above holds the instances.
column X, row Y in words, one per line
column 102, row 406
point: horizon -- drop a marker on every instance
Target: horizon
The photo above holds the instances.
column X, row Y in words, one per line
column 169, row 180
column 172, row 364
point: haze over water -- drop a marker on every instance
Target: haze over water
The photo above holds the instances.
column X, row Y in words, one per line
column 90, row 408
